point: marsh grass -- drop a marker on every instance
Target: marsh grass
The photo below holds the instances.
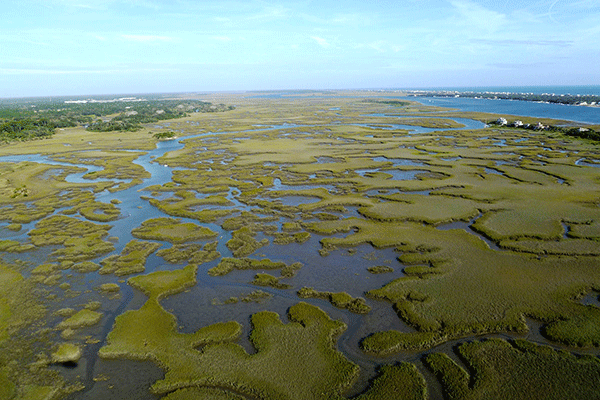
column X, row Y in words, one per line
column 402, row 381
column 537, row 200
column 67, row 353
column 256, row 296
column 13, row 246
column 243, row 243
column 150, row 333
column 380, row 269
column 81, row 240
column 515, row 370
column 85, row 267
column 286, row 238
column 131, row 260
column 172, row 230
column 429, row 209
column 203, row 393
column 193, row 252
column 185, row 203
column 81, row 319
column 339, row 300
column 109, row 288
column 270, row 373
column 229, row 264
column 100, row 212
column 264, row 279
column 21, row 311
column 115, row 165
column 498, row 289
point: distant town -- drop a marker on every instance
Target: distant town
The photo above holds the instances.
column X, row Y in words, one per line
column 121, row 99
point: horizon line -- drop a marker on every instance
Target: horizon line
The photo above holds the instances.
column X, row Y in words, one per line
column 382, row 89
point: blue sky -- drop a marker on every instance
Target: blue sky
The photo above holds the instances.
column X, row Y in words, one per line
column 77, row 47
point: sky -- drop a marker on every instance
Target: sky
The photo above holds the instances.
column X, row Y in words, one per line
column 85, row 47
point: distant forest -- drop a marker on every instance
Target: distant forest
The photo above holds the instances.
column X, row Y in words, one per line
column 34, row 119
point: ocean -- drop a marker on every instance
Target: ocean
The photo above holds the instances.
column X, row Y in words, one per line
column 573, row 90
column 581, row 114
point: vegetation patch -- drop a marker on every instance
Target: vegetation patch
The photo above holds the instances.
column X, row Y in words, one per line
column 402, row 381
column 429, row 209
column 274, row 371
column 185, row 204
column 21, row 311
column 101, row 212
column 443, row 260
column 243, row 243
column 81, row 319
column 67, row 353
column 229, row 264
column 26, row 129
column 532, row 192
column 85, row 267
column 203, row 393
column 380, row 269
column 339, row 300
column 269, row 280
column 246, row 219
column 172, row 230
column 109, row 288
column 516, row 370
column 164, row 135
column 13, row 246
column 392, row 341
column 131, row 260
column 256, row 296
column 194, row 253
column 81, row 240
column 14, row 227
column 287, row 238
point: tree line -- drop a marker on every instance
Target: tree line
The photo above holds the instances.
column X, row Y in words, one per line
column 34, row 119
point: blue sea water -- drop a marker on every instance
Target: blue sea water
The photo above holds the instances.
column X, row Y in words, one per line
column 583, row 114
column 573, row 90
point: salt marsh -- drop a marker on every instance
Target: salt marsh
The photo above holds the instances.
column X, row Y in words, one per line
column 203, row 257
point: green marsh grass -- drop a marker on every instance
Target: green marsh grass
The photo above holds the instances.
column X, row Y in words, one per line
column 67, row 353
column 192, row 252
column 80, row 240
column 338, row 299
column 535, row 202
column 81, row 319
column 515, row 370
column 172, row 230
column 229, row 264
column 263, row 279
column 131, row 260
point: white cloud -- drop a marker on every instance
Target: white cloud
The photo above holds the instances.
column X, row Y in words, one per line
column 354, row 19
column 530, row 42
column 147, row 38
column 223, row 38
column 222, row 19
column 269, row 13
column 320, row 41
column 62, row 70
column 31, row 71
column 477, row 17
